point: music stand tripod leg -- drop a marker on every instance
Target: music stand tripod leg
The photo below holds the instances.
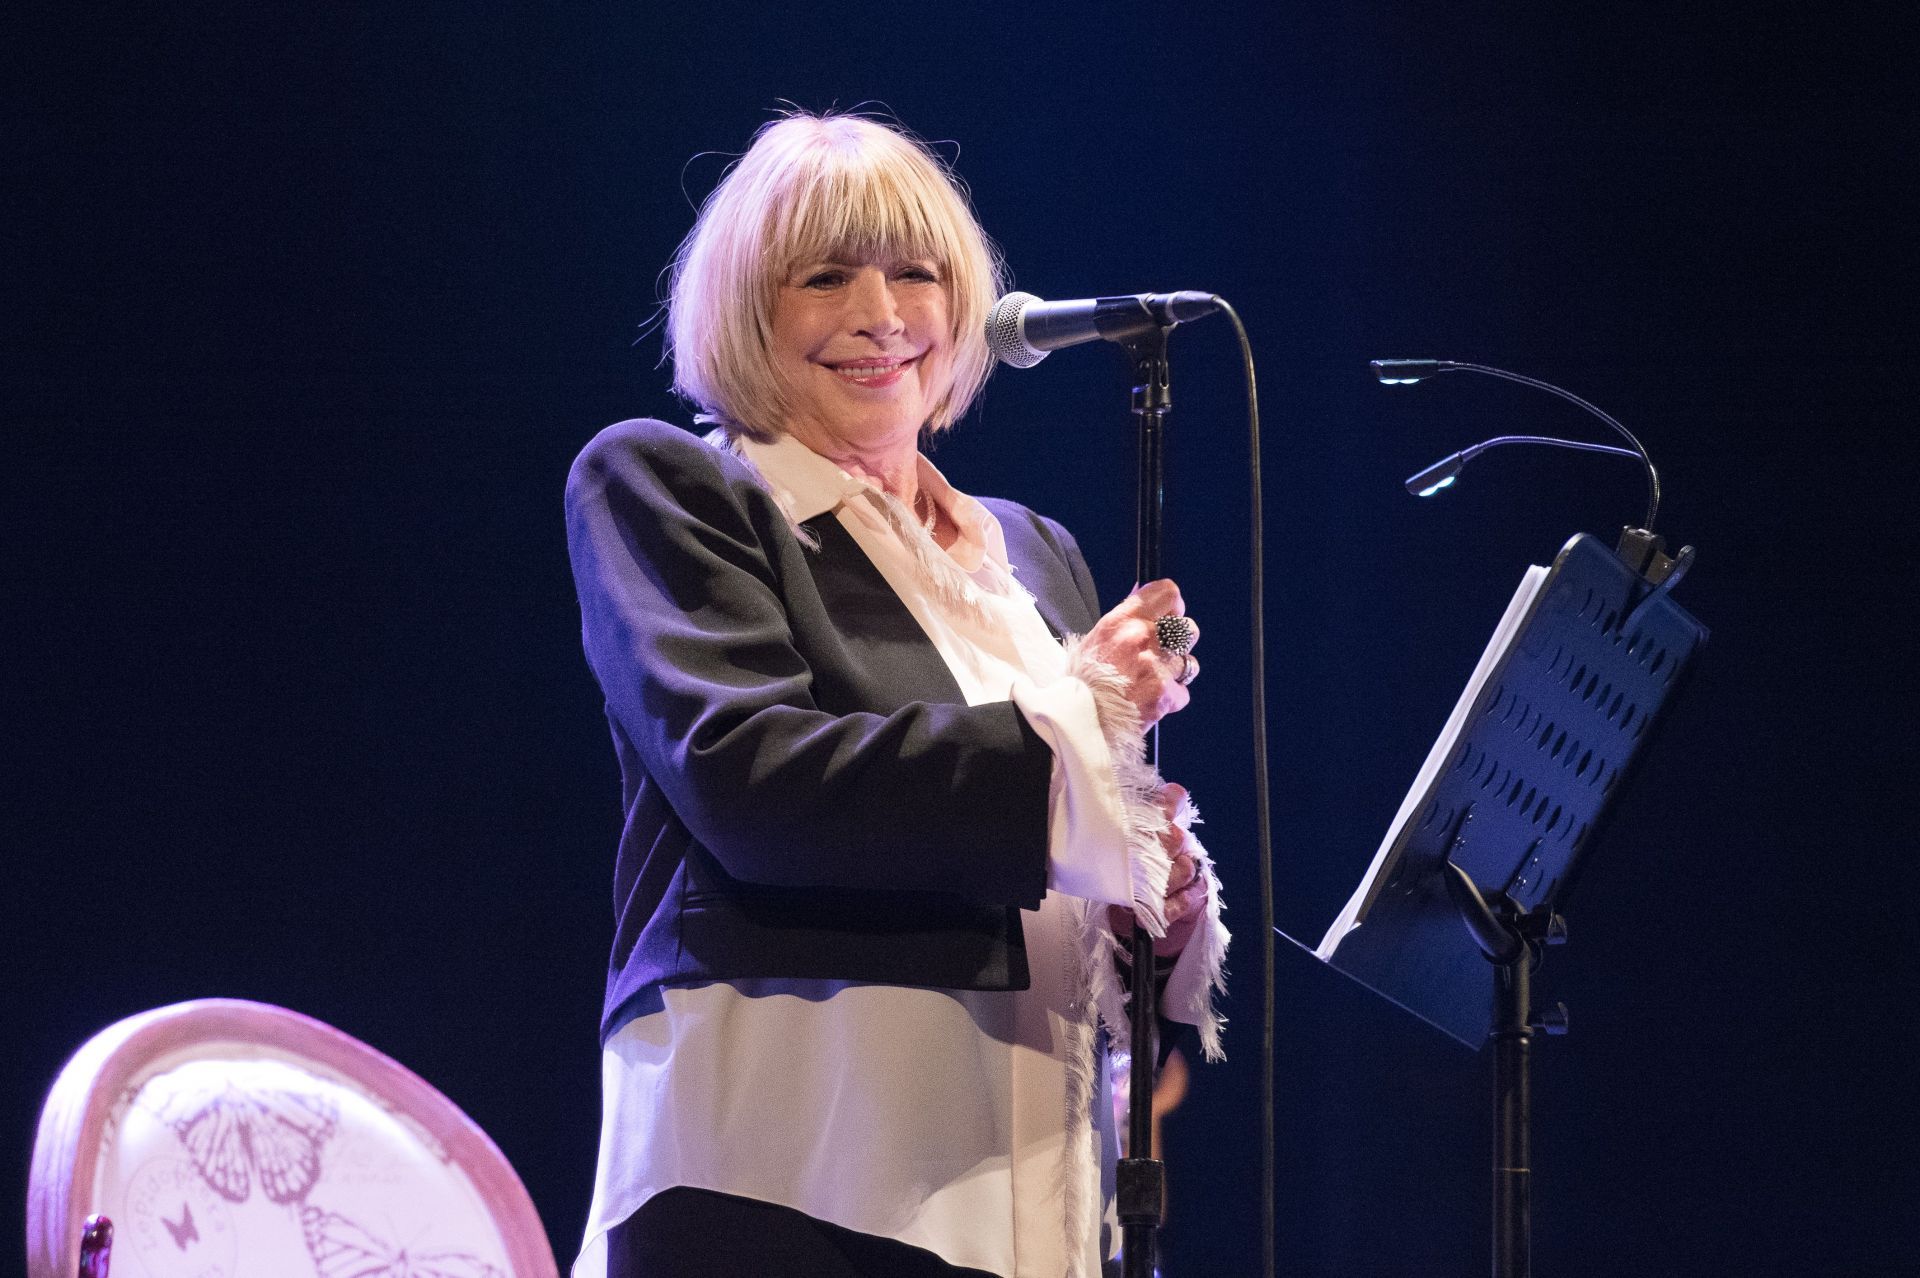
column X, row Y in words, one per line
column 1512, row 939
column 1512, row 1114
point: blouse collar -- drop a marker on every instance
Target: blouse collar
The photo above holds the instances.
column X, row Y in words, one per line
column 807, row 484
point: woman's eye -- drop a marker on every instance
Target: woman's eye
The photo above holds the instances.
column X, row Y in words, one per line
column 823, row 279
column 920, row 274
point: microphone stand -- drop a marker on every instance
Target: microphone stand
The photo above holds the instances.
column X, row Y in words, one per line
column 1140, row 1179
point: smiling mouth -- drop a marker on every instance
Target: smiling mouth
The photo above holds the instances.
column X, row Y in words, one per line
column 872, row 372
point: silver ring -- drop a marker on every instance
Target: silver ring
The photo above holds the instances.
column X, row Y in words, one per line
column 1189, row 670
column 1176, row 634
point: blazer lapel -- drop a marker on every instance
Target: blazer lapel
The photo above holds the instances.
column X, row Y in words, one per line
column 896, row 661
column 1045, row 601
column 1048, row 578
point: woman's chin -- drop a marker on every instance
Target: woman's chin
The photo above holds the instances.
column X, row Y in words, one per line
column 863, row 421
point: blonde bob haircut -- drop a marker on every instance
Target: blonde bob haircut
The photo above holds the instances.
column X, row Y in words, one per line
column 818, row 188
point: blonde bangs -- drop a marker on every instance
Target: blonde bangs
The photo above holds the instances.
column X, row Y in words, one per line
column 855, row 211
column 819, row 188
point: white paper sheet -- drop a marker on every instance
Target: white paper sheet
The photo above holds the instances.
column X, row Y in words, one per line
column 1443, row 747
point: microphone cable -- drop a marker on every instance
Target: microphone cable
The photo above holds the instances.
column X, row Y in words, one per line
column 1257, row 642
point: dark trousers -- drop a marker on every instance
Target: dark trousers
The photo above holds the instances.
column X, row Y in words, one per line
column 696, row 1233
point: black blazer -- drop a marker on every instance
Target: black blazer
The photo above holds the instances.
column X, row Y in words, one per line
column 806, row 793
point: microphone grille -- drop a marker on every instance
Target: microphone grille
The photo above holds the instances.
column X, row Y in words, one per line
column 1005, row 335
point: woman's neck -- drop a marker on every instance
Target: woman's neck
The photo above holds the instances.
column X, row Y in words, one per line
column 902, row 480
column 893, row 466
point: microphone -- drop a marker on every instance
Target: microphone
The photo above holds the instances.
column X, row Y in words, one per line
column 1022, row 329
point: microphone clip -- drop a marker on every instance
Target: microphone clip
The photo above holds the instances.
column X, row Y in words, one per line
column 1146, row 350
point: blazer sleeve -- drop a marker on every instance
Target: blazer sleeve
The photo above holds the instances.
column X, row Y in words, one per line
column 680, row 561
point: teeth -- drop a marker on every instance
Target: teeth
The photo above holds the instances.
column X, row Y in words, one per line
column 868, row 372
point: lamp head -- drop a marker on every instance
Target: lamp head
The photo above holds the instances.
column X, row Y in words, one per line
column 1405, row 372
column 1437, row 476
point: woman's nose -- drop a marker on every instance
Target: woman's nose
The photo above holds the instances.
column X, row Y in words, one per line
column 873, row 310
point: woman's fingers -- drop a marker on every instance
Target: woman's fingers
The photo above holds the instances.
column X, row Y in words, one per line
column 1183, row 908
column 1171, row 793
column 1155, row 600
column 1129, row 640
column 1173, row 698
column 1158, row 599
column 1185, row 904
column 1186, row 891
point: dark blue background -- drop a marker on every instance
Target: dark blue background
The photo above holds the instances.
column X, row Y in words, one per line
column 309, row 309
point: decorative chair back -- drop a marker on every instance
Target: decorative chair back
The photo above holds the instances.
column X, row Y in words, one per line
column 227, row 1139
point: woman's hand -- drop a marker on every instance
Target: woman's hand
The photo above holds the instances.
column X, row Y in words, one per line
column 1127, row 640
column 1186, row 891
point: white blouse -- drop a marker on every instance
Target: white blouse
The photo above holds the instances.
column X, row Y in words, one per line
column 998, row 1144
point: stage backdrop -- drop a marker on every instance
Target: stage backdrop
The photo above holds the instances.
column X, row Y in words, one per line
column 309, row 310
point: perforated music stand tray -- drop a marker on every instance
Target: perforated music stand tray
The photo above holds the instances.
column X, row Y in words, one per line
column 1560, row 707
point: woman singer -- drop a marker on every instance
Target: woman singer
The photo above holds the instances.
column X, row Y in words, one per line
column 886, row 813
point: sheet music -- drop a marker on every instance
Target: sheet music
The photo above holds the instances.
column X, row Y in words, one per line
column 1503, row 636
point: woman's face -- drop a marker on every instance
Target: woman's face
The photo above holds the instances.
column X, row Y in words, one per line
column 864, row 348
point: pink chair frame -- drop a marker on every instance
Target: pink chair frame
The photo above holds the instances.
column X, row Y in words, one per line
column 75, row 1116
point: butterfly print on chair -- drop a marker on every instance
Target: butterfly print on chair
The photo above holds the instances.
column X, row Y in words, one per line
column 236, row 1134
column 343, row 1249
column 184, row 1231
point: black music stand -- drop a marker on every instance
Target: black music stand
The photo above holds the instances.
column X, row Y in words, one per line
column 1558, row 712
